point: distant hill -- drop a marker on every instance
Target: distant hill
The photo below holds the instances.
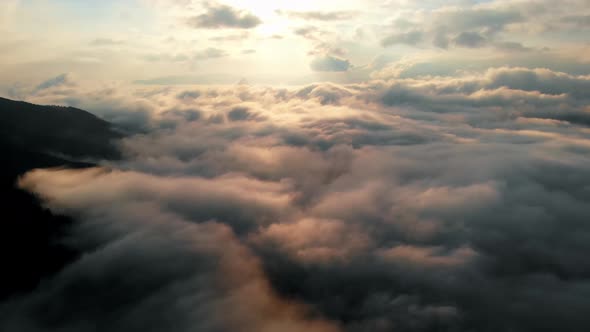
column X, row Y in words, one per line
column 33, row 136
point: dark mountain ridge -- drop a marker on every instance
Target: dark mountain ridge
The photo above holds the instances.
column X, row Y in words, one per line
column 34, row 136
column 63, row 130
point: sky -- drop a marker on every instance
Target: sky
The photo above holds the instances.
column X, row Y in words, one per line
column 283, row 42
column 323, row 166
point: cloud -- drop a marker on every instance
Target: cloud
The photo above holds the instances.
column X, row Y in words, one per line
column 319, row 15
column 581, row 21
column 106, row 42
column 490, row 20
column 468, row 26
column 340, row 207
column 58, row 81
column 326, row 93
column 188, row 95
column 232, row 37
column 315, row 241
column 479, row 24
column 470, row 39
column 512, row 47
column 410, row 38
column 497, row 86
column 210, row 53
column 330, row 63
column 426, row 256
column 222, row 16
column 146, row 267
column 206, row 54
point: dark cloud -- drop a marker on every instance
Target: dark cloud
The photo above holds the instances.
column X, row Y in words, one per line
column 222, row 16
column 470, row 39
column 580, row 21
column 188, row 95
column 330, row 63
column 167, row 57
column 483, row 24
column 410, row 38
column 305, row 31
column 491, row 20
column 239, row 114
column 323, row 44
column 440, row 39
column 319, row 15
column 512, row 47
column 232, row 37
column 210, row 53
column 60, row 80
column 106, row 42
column 326, row 93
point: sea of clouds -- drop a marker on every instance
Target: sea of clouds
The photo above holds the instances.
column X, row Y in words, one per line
column 446, row 203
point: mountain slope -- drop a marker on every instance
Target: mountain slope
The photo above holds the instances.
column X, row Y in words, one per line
column 33, row 136
column 64, row 130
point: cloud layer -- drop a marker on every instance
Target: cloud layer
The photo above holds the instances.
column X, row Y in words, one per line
column 453, row 203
